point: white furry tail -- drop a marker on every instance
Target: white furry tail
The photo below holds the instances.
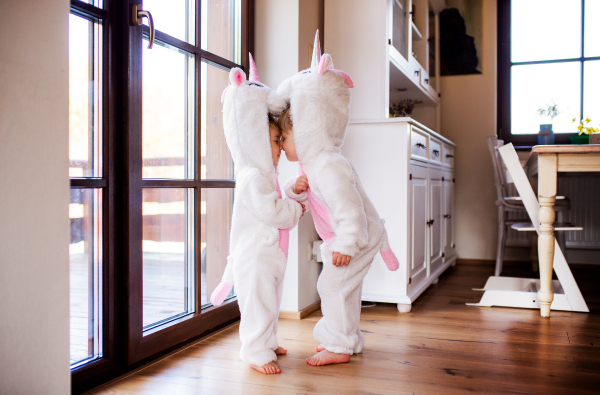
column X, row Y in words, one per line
column 386, row 252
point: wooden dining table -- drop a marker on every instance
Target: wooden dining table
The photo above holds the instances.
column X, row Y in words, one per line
column 547, row 161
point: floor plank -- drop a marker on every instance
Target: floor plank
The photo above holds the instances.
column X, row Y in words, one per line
column 441, row 347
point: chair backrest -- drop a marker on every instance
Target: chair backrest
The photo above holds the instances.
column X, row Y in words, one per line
column 513, row 165
column 499, row 174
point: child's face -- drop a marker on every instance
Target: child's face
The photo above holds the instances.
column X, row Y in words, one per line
column 287, row 141
column 275, row 137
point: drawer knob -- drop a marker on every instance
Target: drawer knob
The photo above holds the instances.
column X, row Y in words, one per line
column 421, row 145
column 436, row 152
column 447, row 216
column 449, row 156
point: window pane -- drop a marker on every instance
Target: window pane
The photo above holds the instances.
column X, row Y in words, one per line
column 591, row 40
column 85, row 118
column 168, row 113
column 216, row 210
column 591, row 99
column 176, row 18
column 221, row 28
column 85, row 253
column 545, row 30
column 168, row 253
column 216, row 162
column 534, row 86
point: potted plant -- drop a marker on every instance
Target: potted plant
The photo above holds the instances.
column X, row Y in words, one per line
column 547, row 113
column 402, row 109
column 587, row 134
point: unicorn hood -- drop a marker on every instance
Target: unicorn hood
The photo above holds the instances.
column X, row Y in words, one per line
column 320, row 105
column 246, row 104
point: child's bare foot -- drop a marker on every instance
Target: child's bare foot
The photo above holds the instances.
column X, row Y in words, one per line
column 280, row 351
column 319, row 348
column 326, row 357
column 270, row 368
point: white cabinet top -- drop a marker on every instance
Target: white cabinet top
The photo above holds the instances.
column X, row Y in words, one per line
column 404, row 120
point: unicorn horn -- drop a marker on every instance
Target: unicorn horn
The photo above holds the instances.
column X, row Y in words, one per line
column 253, row 72
column 316, row 57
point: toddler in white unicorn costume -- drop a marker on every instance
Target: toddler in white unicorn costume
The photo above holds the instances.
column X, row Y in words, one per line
column 261, row 218
column 344, row 216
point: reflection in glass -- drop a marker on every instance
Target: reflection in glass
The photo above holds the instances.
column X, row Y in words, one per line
column 168, row 254
column 591, row 41
column 216, row 162
column 85, row 275
column 545, row 30
column 176, row 18
column 534, row 86
column 221, row 28
column 216, row 209
column 168, row 113
column 591, row 99
column 85, row 117
column 400, row 31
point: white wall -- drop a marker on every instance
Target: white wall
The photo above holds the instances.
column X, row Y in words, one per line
column 468, row 117
column 284, row 31
column 34, row 197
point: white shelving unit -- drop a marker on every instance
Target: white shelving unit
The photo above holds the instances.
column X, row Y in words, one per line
column 391, row 50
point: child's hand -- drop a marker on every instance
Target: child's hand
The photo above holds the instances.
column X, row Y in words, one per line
column 303, row 210
column 301, row 185
column 340, row 259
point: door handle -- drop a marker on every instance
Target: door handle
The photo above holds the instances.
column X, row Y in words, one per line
column 137, row 14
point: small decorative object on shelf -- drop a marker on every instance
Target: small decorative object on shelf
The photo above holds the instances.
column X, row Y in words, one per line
column 402, row 109
column 548, row 112
column 587, row 134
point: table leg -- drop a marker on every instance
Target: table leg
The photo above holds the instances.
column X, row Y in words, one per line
column 546, row 195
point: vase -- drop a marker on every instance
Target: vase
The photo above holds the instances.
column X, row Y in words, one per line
column 595, row 138
column 546, row 135
column 582, row 139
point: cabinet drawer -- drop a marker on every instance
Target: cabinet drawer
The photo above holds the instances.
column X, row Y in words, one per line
column 435, row 150
column 419, row 142
column 448, row 155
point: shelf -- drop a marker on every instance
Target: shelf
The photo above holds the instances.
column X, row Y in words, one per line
column 416, row 36
column 402, row 87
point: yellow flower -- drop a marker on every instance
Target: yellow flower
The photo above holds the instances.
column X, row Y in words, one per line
column 587, row 120
column 580, row 127
column 573, row 120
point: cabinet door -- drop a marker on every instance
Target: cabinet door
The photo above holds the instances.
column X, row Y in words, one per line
column 435, row 220
column 448, row 215
column 418, row 218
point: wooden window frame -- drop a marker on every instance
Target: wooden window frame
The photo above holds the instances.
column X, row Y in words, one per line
column 125, row 347
column 504, row 78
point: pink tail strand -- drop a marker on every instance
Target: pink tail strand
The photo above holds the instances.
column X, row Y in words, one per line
column 220, row 293
column 390, row 259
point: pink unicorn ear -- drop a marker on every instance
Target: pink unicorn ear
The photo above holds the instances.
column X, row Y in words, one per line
column 325, row 64
column 346, row 76
column 237, row 76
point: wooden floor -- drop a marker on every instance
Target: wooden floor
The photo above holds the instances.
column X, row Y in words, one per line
column 440, row 347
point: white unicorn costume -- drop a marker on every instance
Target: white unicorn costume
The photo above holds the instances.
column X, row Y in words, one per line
column 344, row 216
column 261, row 219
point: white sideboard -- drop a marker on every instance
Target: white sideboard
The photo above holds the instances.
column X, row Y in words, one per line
column 407, row 171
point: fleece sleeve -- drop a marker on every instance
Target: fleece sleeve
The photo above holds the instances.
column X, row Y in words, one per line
column 258, row 195
column 301, row 197
column 335, row 182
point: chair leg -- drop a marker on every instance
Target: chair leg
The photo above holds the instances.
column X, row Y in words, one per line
column 501, row 240
column 561, row 237
column 535, row 259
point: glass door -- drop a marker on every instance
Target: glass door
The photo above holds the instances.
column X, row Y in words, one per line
column 183, row 184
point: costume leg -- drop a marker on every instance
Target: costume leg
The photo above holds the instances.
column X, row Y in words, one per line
column 340, row 291
column 258, row 300
column 361, row 338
